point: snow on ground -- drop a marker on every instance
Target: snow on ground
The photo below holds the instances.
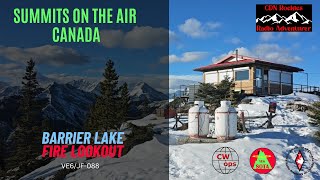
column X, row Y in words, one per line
column 193, row 161
column 142, row 162
column 148, row 160
column 51, row 169
column 145, row 161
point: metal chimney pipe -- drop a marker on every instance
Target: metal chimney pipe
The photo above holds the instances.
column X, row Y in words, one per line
column 236, row 54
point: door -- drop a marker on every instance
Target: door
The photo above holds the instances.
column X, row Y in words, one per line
column 265, row 81
column 259, row 80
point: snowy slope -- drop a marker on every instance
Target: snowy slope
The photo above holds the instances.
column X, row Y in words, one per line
column 10, row 91
column 140, row 163
column 193, row 161
column 67, row 103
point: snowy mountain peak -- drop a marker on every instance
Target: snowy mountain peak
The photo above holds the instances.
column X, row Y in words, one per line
column 141, row 84
column 140, row 88
column 143, row 91
column 84, row 85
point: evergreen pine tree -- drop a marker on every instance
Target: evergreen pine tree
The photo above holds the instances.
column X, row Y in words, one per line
column 111, row 107
column 124, row 103
column 2, row 152
column 212, row 94
column 28, row 132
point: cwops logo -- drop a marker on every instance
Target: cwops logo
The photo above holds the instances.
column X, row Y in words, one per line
column 225, row 160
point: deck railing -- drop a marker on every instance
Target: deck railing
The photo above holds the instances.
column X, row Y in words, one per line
column 267, row 88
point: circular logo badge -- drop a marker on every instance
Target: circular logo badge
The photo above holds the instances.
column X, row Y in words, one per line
column 262, row 160
column 225, row 160
column 300, row 160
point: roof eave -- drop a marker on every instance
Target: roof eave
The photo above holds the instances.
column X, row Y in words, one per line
column 276, row 66
column 203, row 69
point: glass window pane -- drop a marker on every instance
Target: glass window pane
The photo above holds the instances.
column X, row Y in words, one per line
column 242, row 75
column 258, row 73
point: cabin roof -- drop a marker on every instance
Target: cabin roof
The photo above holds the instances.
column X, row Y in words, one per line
column 244, row 61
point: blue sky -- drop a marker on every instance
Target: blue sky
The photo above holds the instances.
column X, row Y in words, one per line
column 202, row 31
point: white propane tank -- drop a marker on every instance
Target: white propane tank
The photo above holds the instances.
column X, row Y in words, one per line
column 198, row 120
column 225, row 121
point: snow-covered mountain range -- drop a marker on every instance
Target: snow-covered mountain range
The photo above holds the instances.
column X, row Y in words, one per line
column 69, row 103
column 294, row 18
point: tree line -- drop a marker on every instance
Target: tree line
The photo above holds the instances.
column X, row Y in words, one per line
column 108, row 112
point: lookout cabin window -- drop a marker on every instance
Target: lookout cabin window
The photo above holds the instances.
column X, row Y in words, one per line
column 242, row 75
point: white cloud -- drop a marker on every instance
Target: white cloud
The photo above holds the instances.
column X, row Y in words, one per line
column 275, row 53
column 173, row 36
column 12, row 71
column 185, row 57
column 269, row 52
column 138, row 38
column 241, row 50
column 195, row 29
column 47, row 54
column 234, row 40
column 175, row 81
column 195, row 78
column 111, row 38
column 213, row 25
column 270, row 36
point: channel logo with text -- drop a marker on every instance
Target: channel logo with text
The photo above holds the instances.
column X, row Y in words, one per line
column 284, row 18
